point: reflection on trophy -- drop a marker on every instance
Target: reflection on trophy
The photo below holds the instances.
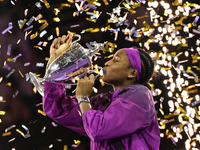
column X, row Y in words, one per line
column 62, row 68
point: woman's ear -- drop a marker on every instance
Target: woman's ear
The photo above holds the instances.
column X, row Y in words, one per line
column 132, row 73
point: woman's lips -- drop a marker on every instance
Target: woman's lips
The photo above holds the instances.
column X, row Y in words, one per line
column 104, row 72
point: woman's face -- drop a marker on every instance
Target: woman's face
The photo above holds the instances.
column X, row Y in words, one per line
column 117, row 69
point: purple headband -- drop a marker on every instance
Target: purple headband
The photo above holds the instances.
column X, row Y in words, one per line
column 134, row 58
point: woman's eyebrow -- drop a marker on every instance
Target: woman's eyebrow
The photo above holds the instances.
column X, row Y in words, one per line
column 118, row 56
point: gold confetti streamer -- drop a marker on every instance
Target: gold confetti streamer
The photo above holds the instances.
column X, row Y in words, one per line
column 2, row 112
column 46, row 4
column 145, row 16
column 64, row 5
column 21, row 73
column 43, row 26
column 110, row 56
column 41, row 112
column 56, row 19
column 57, row 31
column 65, row 147
column 129, row 8
column 146, row 25
column 34, row 35
column 6, row 134
column 92, row 20
column 42, row 21
column 105, row 2
column 35, row 90
column 77, row 142
column 20, row 132
column 139, row 38
column 9, row 84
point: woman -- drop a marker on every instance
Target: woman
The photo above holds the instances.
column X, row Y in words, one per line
column 127, row 117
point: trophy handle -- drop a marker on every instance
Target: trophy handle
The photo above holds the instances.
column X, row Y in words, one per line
column 79, row 38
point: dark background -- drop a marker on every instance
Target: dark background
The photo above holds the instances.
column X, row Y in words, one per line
column 22, row 109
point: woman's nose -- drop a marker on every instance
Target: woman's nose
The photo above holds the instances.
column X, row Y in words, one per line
column 106, row 64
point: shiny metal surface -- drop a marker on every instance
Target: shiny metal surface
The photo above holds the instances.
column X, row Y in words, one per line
column 73, row 59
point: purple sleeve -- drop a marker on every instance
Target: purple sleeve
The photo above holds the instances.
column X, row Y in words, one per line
column 121, row 118
column 61, row 108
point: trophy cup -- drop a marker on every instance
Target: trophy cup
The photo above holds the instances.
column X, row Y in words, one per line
column 61, row 69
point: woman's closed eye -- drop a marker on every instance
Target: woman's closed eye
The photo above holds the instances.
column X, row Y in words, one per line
column 116, row 59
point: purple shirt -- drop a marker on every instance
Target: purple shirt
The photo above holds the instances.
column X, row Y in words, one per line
column 128, row 114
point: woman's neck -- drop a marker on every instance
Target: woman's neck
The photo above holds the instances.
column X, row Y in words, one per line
column 121, row 86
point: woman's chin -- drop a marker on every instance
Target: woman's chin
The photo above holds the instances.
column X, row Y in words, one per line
column 105, row 80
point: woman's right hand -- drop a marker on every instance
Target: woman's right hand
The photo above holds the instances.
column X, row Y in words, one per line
column 59, row 45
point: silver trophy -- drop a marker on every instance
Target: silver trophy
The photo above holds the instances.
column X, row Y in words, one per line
column 60, row 70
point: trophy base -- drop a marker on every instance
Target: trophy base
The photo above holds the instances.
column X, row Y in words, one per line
column 37, row 83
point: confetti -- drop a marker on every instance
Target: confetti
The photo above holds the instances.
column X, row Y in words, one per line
column 41, row 112
column 38, row 18
column 11, row 140
column 30, row 21
column 9, row 84
column 50, row 146
column 57, row 31
column 34, row 89
column 65, row 147
column 10, row 73
column 38, row 5
column 2, row 112
column 73, row 26
column 20, row 132
column 27, row 64
column 50, row 37
column 6, row 134
column 92, row 6
column 9, row 128
column 43, row 130
column 28, row 28
column 40, row 64
column 46, row 4
column 172, row 30
column 15, row 58
column 56, row 19
column 54, row 124
column 9, row 49
column 21, row 23
column 34, row 35
column 43, row 26
column 43, row 33
column 10, row 26
column 27, row 76
column 15, row 94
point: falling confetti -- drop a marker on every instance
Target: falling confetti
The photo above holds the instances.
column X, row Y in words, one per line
column 172, row 28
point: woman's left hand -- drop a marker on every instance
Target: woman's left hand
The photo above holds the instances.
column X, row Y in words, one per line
column 85, row 86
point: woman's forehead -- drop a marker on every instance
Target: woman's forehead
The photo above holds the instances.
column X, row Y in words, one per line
column 121, row 52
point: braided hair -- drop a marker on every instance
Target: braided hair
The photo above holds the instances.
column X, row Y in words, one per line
column 147, row 68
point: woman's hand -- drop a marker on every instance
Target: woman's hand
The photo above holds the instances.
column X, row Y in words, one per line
column 85, row 86
column 59, row 45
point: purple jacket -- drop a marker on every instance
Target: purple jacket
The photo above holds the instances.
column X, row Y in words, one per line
column 128, row 114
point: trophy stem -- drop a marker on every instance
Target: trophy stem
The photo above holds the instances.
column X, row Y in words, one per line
column 37, row 82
